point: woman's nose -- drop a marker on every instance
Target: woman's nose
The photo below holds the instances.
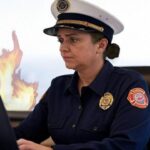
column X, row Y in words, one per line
column 64, row 46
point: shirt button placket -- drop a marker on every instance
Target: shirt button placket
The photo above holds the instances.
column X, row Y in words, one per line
column 79, row 108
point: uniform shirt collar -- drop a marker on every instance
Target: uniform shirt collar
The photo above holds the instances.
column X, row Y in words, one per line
column 73, row 85
column 98, row 85
column 102, row 79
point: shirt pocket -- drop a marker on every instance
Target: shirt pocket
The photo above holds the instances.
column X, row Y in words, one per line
column 56, row 123
column 95, row 127
column 56, row 128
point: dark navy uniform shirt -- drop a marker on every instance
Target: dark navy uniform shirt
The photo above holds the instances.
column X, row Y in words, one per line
column 104, row 117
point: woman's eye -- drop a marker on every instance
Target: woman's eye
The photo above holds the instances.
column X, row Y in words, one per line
column 74, row 40
column 60, row 40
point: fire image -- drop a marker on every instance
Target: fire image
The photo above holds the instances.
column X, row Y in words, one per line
column 17, row 94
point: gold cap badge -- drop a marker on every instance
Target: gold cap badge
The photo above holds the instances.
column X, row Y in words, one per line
column 62, row 5
column 106, row 101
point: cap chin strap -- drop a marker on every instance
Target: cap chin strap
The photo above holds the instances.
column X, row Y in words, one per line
column 79, row 22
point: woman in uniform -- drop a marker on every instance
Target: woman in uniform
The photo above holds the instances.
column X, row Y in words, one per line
column 99, row 107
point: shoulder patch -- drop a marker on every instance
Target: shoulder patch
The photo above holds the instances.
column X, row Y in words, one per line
column 138, row 98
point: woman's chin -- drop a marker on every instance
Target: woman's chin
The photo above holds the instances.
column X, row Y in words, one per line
column 69, row 66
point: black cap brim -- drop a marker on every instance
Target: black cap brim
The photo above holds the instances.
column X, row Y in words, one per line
column 53, row 30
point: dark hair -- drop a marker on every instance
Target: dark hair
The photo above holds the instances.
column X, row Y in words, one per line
column 112, row 51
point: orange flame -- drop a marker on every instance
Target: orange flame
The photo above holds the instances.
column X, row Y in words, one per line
column 16, row 93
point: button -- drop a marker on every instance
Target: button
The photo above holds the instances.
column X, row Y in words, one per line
column 74, row 125
column 95, row 128
column 79, row 107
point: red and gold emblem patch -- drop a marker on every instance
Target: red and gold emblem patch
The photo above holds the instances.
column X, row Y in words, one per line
column 138, row 98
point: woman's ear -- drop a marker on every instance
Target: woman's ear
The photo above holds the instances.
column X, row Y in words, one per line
column 101, row 45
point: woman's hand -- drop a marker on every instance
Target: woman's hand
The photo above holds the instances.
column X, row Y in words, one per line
column 29, row 145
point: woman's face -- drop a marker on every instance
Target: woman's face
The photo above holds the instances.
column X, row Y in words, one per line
column 77, row 49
